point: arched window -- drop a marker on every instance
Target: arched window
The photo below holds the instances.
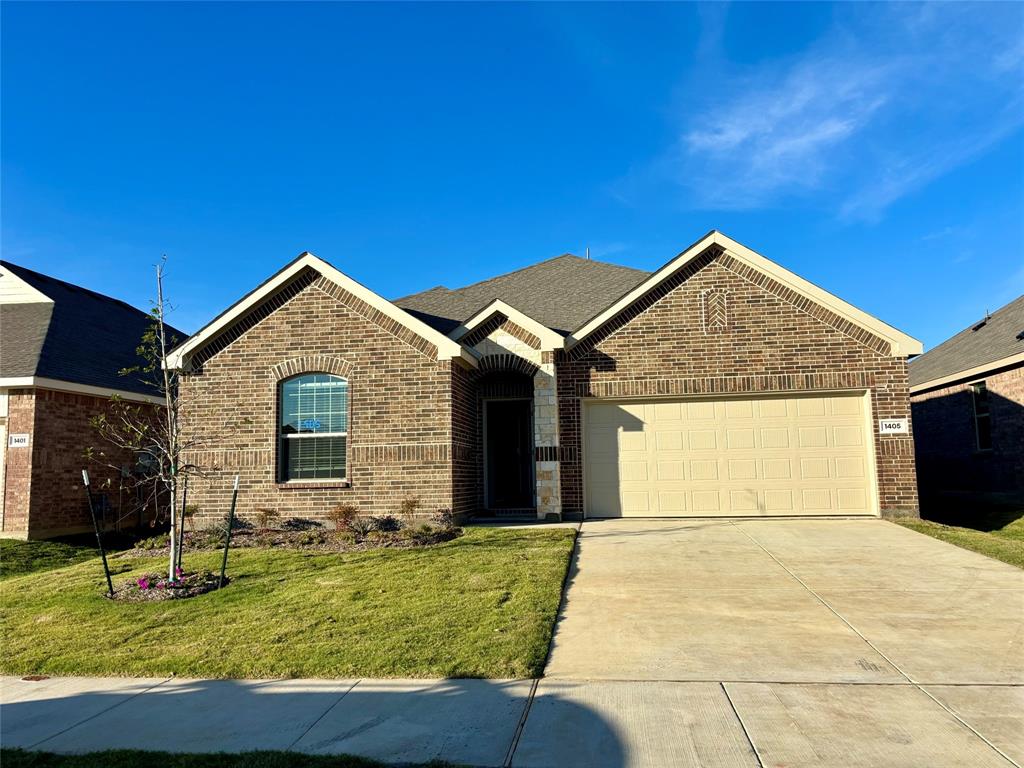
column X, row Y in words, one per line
column 314, row 427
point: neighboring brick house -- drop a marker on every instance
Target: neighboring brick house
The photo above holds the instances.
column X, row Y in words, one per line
column 967, row 397
column 61, row 350
column 719, row 385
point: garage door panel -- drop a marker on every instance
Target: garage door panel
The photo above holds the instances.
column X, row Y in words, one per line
column 733, row 456
column 702, row 440
column 704, row 469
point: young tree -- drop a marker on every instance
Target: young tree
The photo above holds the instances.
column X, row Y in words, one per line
column 163, row 438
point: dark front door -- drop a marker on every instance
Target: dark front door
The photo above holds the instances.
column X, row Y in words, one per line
column 509, row 454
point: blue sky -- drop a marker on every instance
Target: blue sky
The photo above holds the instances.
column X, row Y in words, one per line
column 876, row 150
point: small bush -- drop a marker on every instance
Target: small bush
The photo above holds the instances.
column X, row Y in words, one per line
column 265, row 517
column 154, row 542
column 387, row 523
column 443, row 518
column 343, row 515
column 408, row 508
column 361, row 527
column 311, row 538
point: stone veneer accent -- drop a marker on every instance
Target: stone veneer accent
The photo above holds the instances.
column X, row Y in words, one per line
column 499, row 339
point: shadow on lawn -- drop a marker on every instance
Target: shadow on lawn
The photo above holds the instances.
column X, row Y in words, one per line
column 466, row 722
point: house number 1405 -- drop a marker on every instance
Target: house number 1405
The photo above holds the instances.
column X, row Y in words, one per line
column 893, row 427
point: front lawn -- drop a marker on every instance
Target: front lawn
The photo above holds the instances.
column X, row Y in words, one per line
column 998, row 538
column 20, row 557
column 482, row 605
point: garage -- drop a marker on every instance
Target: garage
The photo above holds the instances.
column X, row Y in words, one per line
column 730, row 457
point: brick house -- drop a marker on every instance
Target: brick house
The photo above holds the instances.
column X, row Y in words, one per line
column 61, row 348
column 967, row 398
column 719, row 385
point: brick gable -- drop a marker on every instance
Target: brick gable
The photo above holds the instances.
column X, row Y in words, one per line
column 773, row 340
column 400, row 431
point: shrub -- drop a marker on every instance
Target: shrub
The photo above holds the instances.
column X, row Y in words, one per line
column 443, row 518
column 343, row 515
column 361, row 527
column 408, row 508
column 310, row 538
column 264, row 517
column 386, row 523
column 154, row 542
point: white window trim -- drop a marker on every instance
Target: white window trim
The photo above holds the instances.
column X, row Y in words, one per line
column 279, row 470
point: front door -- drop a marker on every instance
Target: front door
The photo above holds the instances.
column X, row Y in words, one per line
column 508, row 428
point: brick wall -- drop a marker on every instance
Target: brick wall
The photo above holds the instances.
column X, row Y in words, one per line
column 43, row 493
column 467, row 477
column 21, row 416
column 400, row 439
column 757, row 337
column 947, row 455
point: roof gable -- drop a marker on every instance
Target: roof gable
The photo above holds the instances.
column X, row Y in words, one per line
column 549, row 339
column 446, row 348
column 900, row 344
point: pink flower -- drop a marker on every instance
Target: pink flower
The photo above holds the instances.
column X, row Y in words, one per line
column 143, row 583
column 178, row 573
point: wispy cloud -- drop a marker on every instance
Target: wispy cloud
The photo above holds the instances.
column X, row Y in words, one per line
column 883, row 104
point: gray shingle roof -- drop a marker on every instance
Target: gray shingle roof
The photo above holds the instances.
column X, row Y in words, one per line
column 562, row 293
column 83, row 337
column 999, row 336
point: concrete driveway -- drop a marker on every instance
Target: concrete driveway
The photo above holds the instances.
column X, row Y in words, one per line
column 825, row 644
column 785, row 642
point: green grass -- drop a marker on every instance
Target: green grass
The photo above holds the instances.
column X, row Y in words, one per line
column 996, row 532
column 20, row 557
column 18, row 758
column 482, row 605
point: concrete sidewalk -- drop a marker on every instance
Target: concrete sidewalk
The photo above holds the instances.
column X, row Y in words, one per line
column 549, row 722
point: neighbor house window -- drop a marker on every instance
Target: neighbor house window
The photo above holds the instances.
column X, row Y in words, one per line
column 982, row 417
column 314, row 427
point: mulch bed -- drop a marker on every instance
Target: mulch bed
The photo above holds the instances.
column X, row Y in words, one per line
column 316, row 540
column 155, row 588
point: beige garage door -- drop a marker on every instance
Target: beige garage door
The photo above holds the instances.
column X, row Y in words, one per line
column 729, row 457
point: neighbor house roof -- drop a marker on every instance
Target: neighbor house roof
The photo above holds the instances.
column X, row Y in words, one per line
column 561, row 293
column 55, row 332
column 994, row 342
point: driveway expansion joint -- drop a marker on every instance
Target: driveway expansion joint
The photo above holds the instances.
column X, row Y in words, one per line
column 877, row 650
column 739, row 719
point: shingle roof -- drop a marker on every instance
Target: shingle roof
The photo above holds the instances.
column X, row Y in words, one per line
column 994, row 338
column 83, row 337
column 562, row 293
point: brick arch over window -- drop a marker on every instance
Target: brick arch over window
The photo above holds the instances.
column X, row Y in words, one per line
column 310, row 363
